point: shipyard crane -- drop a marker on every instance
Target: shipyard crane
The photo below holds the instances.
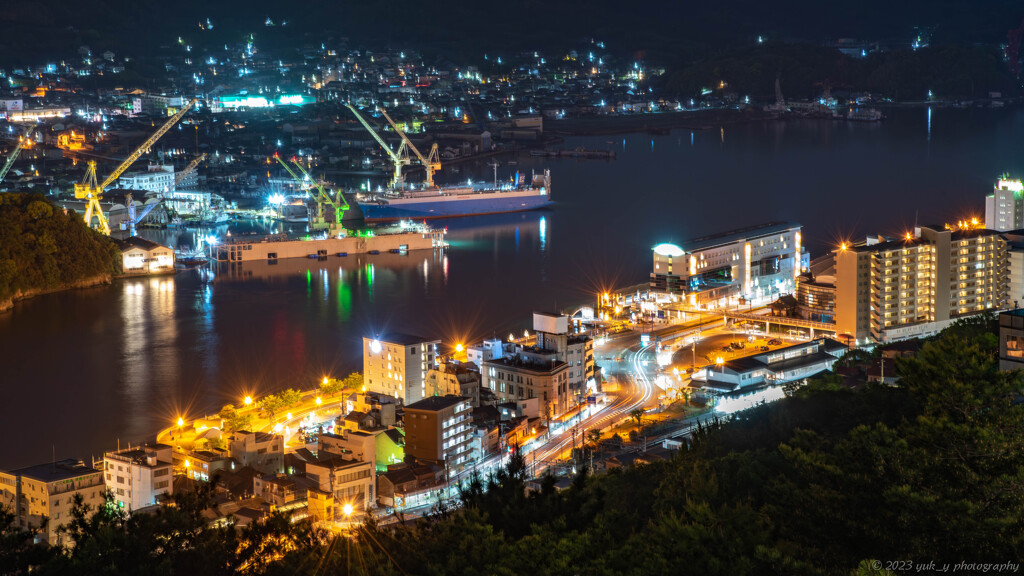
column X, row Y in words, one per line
column 10, row 159
column 431, row 163
column 134, row 219
column 189, row 168
column 400, row 158
column 338, row 204
column 89, row 190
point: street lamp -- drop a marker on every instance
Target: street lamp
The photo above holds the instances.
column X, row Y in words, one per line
column 181, row 422
column 721, row 364
column 318, row 401
column 459, row 348
column 248, row 400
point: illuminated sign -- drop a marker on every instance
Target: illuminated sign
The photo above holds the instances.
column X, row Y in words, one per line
column 1013, row 185
column 670, row 250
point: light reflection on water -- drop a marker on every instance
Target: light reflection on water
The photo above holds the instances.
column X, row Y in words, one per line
column 137, row 355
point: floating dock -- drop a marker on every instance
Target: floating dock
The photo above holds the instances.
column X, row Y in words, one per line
column 271, row 248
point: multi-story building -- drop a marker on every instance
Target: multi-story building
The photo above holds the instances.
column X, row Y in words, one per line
column 1011, row 340
column 260, row 450
column 917, row 285
column 816, row 297
column 46, row 493
column 1004, row 207
column 530, row 375
column 348, row 481
column 576, row 350
column 397, row 364
column 156, row 178
column 138, row 476
column 439, row 429
column 489, row 350
column 750, row 262
column 458, row 379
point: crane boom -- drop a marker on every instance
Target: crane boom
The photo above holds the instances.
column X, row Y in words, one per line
column 191, row 166
column 431, row 164
column 91, row 191
column 10, row 160
column 339, row 205
column 398, row 158
column 145, row 146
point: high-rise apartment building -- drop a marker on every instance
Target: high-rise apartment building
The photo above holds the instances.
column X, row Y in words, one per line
column 917, row 285
column 1004, row 207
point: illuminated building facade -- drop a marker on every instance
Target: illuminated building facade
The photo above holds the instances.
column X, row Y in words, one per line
column 439, row 429
column 137, row 476
column 156, row 178
column 751, row 262
column 45, row 494
column 917, row 285
column 530, row 375
column 397, row 364
column 1004, row 207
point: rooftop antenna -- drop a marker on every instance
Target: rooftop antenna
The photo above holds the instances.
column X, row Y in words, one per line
column 53, row 449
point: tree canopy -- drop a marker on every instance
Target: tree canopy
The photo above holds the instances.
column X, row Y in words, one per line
column 820, row 483
column 42, row 247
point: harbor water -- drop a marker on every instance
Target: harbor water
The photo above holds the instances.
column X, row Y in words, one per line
column 82, row 371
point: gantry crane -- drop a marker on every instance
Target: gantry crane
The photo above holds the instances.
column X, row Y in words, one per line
column 400, row 158
column 11, row 158
column 191, row 166
column 431, row 163
column 93, row 192
column 338, row 204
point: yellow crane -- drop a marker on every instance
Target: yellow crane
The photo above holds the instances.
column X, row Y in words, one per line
column 185, row 172
column 431, row 163
column 12, row 157
column 338, row 204
column 400, row 158
column 89, row 190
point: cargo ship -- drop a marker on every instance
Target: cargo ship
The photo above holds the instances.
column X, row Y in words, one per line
column 450, row 202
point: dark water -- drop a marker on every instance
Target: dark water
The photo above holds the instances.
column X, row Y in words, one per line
column 80, row 370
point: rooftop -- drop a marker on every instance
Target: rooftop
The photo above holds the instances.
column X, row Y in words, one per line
column 732, row 236
column 402, row 339
column 56, row 471
column 436, row 403
column 136, row 242
column 521, row 363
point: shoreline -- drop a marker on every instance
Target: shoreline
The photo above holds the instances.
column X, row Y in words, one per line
column 91, row 282
column 653, row 122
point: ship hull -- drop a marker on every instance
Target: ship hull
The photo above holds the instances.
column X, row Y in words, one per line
column 452, row 207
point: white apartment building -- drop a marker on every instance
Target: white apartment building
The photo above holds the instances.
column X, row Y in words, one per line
column 137, row 476
column 1004, row 207
column 397, row 364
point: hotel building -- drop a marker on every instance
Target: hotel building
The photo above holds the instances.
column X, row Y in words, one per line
column 895, row 289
